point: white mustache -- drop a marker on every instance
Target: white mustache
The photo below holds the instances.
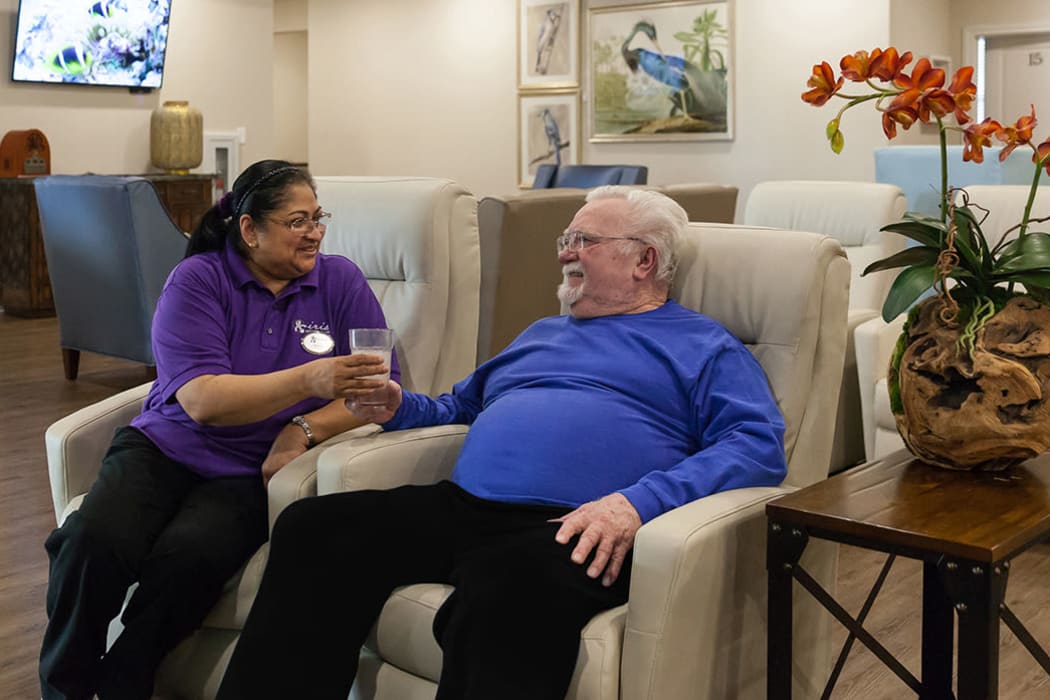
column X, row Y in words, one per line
column 570, row 268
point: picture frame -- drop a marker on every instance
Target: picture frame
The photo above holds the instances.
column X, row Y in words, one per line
column 661, row 72
column 546, row 118
column 548, row 44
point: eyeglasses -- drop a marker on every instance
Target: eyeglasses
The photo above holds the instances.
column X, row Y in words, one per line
column 304, row 225
column 574, row 240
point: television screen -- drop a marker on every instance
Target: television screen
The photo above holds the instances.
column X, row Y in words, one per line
column 108, row 42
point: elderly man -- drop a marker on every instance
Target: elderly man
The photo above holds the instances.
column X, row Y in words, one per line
column 583, row 429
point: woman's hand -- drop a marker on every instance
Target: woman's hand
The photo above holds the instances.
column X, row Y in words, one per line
column 289, row 444
column 345, row 376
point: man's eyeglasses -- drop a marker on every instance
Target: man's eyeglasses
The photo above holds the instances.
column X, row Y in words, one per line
column 574, row 240
column 304, row 225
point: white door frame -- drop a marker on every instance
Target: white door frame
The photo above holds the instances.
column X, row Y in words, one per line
column 971, row 56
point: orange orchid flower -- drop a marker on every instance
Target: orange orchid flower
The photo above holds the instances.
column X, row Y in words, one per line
column 1042, row 151
column 858, row 66
column 963, row 91
column 1018, row 133
column 924, row 76
column 902, row 110
column 823, row 83
column 888, row 64
column 976, row 137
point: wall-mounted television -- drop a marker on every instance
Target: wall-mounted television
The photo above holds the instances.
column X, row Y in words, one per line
column 105, row 42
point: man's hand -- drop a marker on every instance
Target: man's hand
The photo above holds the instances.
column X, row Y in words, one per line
column 289, row 444
column 377, row 413
column 609, row 524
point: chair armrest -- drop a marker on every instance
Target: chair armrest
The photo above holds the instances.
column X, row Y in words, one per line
column 698, row 592
column 873, row 341
column 298, row 478
column 77, row 443
column 388, row 460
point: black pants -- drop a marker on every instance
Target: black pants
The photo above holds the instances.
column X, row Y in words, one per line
column 510, row 630
column 147, row 519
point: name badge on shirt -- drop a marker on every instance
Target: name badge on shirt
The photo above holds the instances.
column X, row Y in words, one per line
column 317, row 343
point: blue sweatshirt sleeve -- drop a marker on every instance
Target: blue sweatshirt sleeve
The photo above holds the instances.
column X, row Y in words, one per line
column 420, row 410
column 740, row 432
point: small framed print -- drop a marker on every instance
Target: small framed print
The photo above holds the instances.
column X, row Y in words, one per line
column 548, row 131
column 548, row 44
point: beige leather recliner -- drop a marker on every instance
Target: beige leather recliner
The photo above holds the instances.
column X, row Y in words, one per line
column 517, row 233
column 853, row 213
column 416, row 240
column 875, row 339
column 695, row 623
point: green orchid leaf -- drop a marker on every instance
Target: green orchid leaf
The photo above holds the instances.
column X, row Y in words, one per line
column 1029, row 253
column 925, row 233
column 918, row 255
column 1034, row 278
column 906, row 289
column 972, row 250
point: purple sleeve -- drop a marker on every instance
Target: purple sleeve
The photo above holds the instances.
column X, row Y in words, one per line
column 189, row 329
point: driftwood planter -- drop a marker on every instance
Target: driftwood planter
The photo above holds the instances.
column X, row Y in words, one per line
column 989, row 412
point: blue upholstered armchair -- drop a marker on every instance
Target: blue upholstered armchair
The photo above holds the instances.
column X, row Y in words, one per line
column 587, row 176
column 110, row 245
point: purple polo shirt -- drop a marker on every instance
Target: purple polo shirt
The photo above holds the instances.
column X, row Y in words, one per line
column 214, row 317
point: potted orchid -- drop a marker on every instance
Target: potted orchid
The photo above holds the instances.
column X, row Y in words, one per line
column 970, row 377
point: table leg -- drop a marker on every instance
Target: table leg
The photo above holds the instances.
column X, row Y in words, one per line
column 784, row 546
column 938, row 628
column 977, row 589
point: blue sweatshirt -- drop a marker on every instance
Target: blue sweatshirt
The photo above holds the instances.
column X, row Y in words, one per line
column 664, row 406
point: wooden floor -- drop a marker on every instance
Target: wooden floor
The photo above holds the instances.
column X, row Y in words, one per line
column 34, row 394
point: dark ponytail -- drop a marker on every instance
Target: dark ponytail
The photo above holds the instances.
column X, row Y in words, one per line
column 259, row 190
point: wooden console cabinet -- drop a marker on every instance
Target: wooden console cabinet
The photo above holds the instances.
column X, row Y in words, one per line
column 25, row 289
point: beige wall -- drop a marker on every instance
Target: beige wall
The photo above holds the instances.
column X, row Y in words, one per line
column 289, row 15
column 414, row 87
column 290, row 96
column 1003, row 13
column 226, row 73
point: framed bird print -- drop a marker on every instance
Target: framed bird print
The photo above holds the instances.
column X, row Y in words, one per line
column 548, row 44
column 548, row 131
column 661, row 72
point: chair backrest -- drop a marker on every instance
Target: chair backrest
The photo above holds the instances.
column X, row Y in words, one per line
column 519, row 271
column 587, row 176
column 851, row 212
column 1005, row 206
column 917, row 171
column 416, row 240
column 110, row 245
column 785, row 295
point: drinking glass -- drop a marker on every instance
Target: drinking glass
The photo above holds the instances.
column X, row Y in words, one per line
column 373, row 341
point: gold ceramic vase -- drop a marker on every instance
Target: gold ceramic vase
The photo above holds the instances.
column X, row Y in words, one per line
column 176, row 137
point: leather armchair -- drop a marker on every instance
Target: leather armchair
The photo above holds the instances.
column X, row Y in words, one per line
column 694, row 626
column 587, row 176
column 875, row 339
column 518, row 277
column 110, row 245
column 853, row 213
column 416, row 240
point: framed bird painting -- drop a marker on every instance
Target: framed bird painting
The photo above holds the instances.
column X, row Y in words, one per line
column 548, row 131
column 548, row 44
column 661, row 72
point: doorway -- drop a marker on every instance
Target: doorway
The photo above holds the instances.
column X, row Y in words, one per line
column 1012, row 70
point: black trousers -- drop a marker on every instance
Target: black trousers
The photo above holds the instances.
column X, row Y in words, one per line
column 147, row 519
column 510, row 630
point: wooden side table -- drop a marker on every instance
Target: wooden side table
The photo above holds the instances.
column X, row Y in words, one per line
column 25, row 289
column 964, row 526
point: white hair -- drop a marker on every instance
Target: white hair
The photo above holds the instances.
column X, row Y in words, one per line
column 653, row 217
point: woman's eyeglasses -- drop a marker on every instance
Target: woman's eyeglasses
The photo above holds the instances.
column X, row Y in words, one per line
column 304, row 225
